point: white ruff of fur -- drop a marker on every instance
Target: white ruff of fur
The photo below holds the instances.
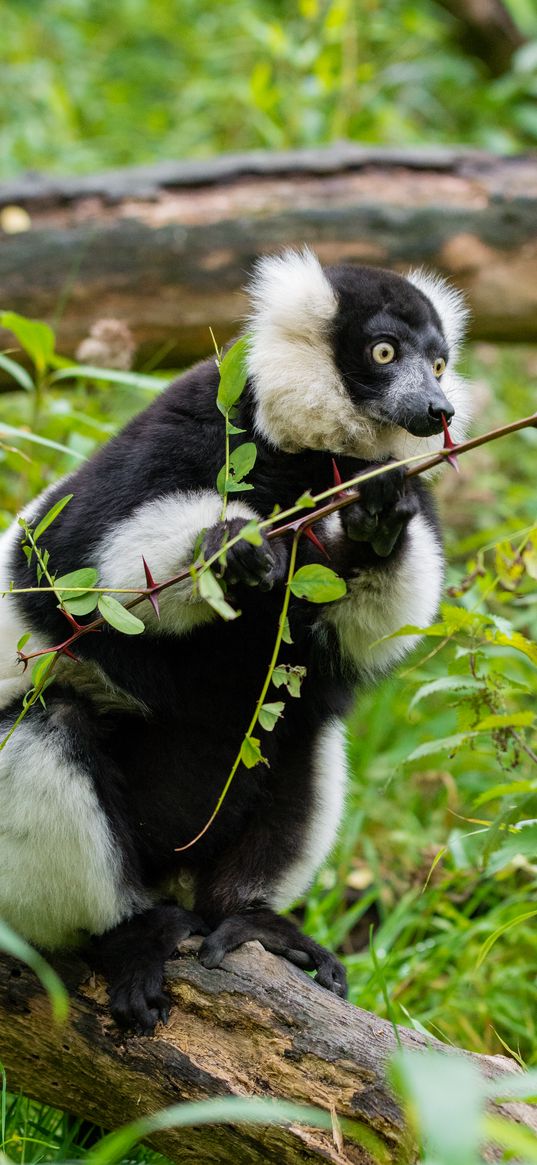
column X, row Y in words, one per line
column 448, row 302
column 302, row 402
column 329, row 768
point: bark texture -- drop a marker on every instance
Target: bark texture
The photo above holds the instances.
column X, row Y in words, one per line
column 168, row 248
column 256, row 1026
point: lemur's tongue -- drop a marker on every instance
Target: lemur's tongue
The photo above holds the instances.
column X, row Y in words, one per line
column 449, row 444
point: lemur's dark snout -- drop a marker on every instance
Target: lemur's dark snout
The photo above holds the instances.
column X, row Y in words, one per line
column 436, row 411
column 427, row 418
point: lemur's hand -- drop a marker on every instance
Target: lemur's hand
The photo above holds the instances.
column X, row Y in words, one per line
column 383, row 511
column 261, row 566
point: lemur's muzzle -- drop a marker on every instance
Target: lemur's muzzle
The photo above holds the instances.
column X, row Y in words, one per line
column 426, row 410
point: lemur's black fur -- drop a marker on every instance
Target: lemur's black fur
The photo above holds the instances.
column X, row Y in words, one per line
column 158, row 765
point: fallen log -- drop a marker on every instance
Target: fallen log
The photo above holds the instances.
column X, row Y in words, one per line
column 168, row 248
column 256, row 1026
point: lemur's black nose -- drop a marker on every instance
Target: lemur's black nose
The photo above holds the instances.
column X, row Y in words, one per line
column 436, row 410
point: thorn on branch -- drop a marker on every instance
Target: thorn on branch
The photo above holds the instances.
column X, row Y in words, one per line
column 316, row 542
column 153, row 589
column 448, row 444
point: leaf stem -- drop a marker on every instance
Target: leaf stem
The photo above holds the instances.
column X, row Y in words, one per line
column 261, row 697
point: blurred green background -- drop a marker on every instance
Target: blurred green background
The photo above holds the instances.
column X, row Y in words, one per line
column 86, row 84
column 438, row 853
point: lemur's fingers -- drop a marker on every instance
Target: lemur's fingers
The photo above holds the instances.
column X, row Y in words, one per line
column 281, row 937
column 245, row 563
column 382, row 512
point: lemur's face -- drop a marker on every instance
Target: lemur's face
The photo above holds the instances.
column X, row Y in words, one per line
column 390, row 349
column 356, row 360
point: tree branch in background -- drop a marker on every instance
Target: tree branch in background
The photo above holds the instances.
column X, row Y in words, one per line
column 487, row 31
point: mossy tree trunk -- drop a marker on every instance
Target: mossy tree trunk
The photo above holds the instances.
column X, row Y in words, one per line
column 168, row 248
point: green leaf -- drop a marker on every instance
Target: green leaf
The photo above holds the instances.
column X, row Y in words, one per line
column 251, row 752
column 292, row 677
column 505, row 789
column 115, row 1147
column 318, row 584
column 241, row 461
column 447, row 1097
column 520, row 1142
column 305, row 501
column 36, row 338
column 85, row 576
column 515, row 640
column 234, row 429
column 24, row 640
column 269, row 714
column 41, row 667
column 18, row 373
column 137, row 380
column 286, row 633
column 82, row 605
column 117, row 615
column 445, row 684
column 231, row 487
column 502, row 930
column 445, row 744
column 51, row 515
column 12, row 944
column 75, row 601
column 35, row 439
column 505, row 720
column 233, row 374
column 211, row 591
column 251, row 533
column 522, row 842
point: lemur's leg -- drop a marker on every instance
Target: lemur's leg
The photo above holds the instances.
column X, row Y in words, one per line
column 388, row 547
column 132, row 957
column 65, row 870
column 276, row 861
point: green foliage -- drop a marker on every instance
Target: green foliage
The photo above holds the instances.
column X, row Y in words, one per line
column 117, row 616
column 212, row 591
column 13, row 944
column 89, row 86
column 318, row 584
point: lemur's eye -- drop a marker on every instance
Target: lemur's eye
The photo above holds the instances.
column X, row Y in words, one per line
column 439, row 366
column 383, row 353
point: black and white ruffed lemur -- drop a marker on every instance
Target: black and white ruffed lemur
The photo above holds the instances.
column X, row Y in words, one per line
column 128, row 758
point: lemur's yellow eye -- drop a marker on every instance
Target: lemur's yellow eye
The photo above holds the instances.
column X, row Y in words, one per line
column 439, row 366
column 383, row 353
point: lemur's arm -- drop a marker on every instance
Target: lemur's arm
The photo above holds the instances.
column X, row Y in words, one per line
column 388, row 547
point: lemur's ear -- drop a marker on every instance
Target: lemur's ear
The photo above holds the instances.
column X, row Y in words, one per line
column 301, row 401
column 448, row 302
column 291, row 295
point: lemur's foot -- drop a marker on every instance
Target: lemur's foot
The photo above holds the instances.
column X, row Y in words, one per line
column 384, row 509
column 132, row 957
column 280, row 936
column 261, row 565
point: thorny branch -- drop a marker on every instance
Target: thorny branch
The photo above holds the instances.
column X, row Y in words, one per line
column 342, row 494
